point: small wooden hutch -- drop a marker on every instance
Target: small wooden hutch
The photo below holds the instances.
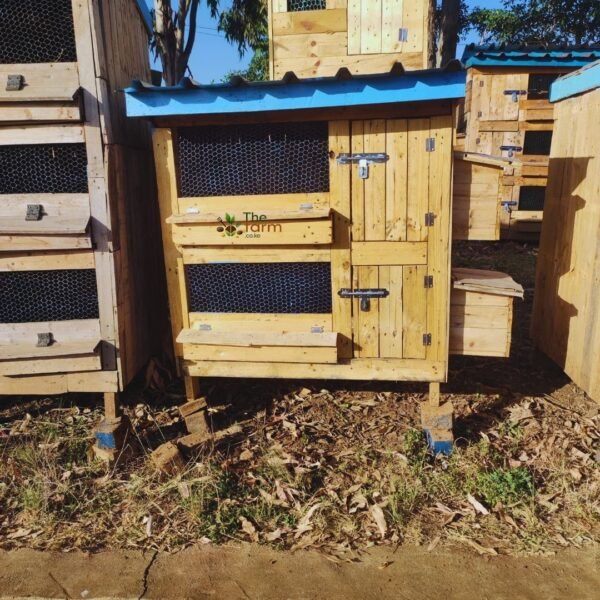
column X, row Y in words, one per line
column 80, row 298
column 566, row 312
column 507, row 114
column 314, row 38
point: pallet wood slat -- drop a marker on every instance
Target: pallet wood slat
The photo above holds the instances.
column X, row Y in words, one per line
column 57, row 82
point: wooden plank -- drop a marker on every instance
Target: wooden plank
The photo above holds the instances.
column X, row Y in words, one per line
column 389, row 253
column 40, row 112
column 357, row 64
column 366, row 343
column 384, row 369
column 166, row 179
column 46, row 261
column 341, row 271
column 310, row 21
column 255, row 338
column 396, row 191
column 34, row 243
column 258, row 204
column 16, row 135
column 390, row 313
column 63, row 331
column 391, row 23
column 414, row 17
column 279, row 6
column 370, row 26
column 310, row 45
column 271, row 37
column 264, row 254
column 269, row 322
column 266, row 232
column 98, row 382
column 354, row 27
column 57, row 82
column 498, row 125
column 478, row 342
column 418, row 179
column 527, row 216
column 260, row 354
column 38, row 366
column 357, row 184
column 374, row 200
column 267, row 215
column 414, row 305
column 22, row 351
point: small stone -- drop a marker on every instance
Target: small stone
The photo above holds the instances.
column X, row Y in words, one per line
column 168, row 459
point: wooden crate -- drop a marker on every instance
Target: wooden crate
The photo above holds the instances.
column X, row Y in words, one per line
column 481, row 312
column 364, row 37
column 508, row 114
column 566, row 322
column 106, row 226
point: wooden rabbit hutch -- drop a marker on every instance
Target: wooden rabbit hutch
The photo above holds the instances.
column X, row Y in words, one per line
column 306, row 225
column 314, row 38
column 566, row 312
column 80, row 297
column 508, row 114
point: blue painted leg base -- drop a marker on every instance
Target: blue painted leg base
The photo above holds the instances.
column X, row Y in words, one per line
column 110, row 434
column 440, row 442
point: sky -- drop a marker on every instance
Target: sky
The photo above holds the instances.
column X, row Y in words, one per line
column 212, row 57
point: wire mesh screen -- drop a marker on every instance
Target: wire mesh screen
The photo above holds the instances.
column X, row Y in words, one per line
column 240, row 160
column 260, row 288
column 43, row 168
column 34, row 296
column 36, row 31
column 538, row 142
column 299, row 5
column 532, row 197
column 539, row 85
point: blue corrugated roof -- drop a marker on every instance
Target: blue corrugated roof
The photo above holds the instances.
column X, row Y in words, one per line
column 146, row 15
column 573, row 57
column 575, row 83
column 189, row 98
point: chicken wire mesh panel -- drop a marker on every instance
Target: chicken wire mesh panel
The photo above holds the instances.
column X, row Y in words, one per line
column 35, row 296
column 532, row 197
column 36, row 31
column 300, row 5
column 43, row 168
column 241, row 160
column 260, row 288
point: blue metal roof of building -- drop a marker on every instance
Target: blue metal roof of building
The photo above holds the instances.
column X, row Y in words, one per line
column 343, row 90
column 578, row 82
column 530, row 56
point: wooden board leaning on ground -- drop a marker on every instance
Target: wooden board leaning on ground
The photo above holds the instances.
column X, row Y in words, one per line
column 365, row 39
column 566, row 313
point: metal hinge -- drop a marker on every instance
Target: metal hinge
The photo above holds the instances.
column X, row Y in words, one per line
column 15, row 83
column 515, row 94
column 428, row 281
column 34, row 212
column 430, row 144
column 44, row 340
column 403, row 34
column 204, row 327
column 429, row 219
column 317, row 329
column 427, row 339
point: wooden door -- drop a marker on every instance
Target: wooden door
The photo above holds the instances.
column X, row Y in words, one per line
column 385, row 26
column 399, row 240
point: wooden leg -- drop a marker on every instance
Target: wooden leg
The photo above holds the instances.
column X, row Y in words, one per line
column 112, row 410
column 192, row 388
column 434, row 394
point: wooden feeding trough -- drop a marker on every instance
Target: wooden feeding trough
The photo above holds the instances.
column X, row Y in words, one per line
column 307, row 225
column 314, row 38
column 80, row 299
column 508, row 114
column 566, row 312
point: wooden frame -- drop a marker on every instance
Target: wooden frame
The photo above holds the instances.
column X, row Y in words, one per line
column 112, row 228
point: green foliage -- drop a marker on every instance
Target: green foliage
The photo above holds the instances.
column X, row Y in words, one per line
column 258, row 69
column 507, row 486
column 415, row 447
column 542, row 21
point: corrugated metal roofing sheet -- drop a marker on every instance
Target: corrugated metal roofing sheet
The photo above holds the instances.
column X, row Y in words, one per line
column 578, row 82
column 530, row 55
column 290, row 93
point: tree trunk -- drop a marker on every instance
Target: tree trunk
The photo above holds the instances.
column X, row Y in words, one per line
column 449, row 23
column 431, row 42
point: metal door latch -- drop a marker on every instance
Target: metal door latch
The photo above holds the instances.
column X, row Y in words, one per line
column 15, row 83
column 45, row 340
column 365, row 296
column 511, row 150
column 364, row 159
column 515, row 94
column 34, row 212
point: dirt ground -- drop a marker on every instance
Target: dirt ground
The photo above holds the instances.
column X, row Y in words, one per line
column 251, row 572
